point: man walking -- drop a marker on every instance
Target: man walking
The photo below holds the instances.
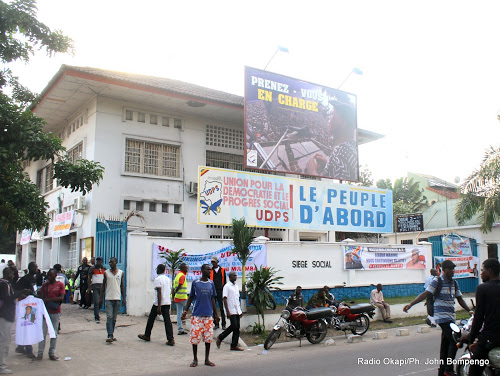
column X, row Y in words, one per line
column 180, row 295
column 204, row 314
column 7, row 314
column 96, row 278
column 430, row 319
column 231, row 295
column 377, row 299
column 52, row 293
column 219, row 277
column 161, row 306
column 83, row 273
column 445, row 290
column 486, row 323
column 115, row 291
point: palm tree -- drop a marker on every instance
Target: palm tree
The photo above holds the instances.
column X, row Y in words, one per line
column 260, row 284
column 242, row 237
column 173, row 259
column 481, row 192
column 407, row 196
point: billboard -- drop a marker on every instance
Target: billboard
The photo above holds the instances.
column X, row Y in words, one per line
column 455, row 245
column 465, row 267
column 409, row 222
column 376, row 258
column 294, row 126
column 280, row 202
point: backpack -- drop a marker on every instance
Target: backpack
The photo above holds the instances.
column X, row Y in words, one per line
column 432, row 298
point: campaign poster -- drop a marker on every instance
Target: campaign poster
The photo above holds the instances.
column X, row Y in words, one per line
column 25, row 237
column 227, row 260
column 456, row 245
column 377, row 258
column 294, row 126
column 280, row 202
column 465, row 267
column 62, row 224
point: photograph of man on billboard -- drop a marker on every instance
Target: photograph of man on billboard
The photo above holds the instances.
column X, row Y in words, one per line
column 293, row 126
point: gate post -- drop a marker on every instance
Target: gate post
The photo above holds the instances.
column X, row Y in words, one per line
column 139, row 261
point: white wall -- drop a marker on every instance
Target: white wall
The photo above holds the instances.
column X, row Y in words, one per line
column 279, row 255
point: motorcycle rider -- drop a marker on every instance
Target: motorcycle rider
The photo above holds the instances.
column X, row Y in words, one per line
column 444, row 313
column 487, row 313
column 296, row 299
column 317, row 300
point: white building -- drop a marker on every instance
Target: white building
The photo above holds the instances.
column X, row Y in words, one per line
column 150, row 134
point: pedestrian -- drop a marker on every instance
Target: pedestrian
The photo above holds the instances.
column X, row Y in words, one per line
column 231, row 295
column 161, row 306
column 317, row 300
column 52, row 293
column 377, row 299
column 14, row 268
column 3, row 265
column 203, row 315
column 219, row 277
column 96, row 278
column 330, row 298
column 7, row 314
column 27, row 282
column 486, row 323
column 430, row 319
column 113, row 286
column 83, row 273
column 61, row 277
column 180, row 295
column 444, row 289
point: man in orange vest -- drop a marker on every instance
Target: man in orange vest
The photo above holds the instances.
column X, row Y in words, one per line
column 219, row 277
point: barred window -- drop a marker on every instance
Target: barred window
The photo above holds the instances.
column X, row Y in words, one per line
column 45, row 179
column 76, row 153
column 224, row 137
column 224, row 160
column 152, row 158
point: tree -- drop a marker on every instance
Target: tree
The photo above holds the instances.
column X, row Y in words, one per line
column 407, row 197
column 173, row 259
column 481, row 192
column 21, row 133
column 242, row 237
column 365, row 177
column 260, row 284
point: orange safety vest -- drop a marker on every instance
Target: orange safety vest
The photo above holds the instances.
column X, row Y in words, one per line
column 223, row 271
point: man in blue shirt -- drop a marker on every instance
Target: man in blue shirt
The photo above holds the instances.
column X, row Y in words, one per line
column 204, row 314
column 444, row 313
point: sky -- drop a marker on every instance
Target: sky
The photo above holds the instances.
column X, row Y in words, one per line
column 431, row 69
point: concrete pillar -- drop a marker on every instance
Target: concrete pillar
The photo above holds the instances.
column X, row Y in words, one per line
column 138, row 273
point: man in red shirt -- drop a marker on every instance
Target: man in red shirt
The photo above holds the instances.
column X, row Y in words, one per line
column 52, row 293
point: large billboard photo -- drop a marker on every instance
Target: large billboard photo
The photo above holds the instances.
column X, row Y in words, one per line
column 280, row 202
column 294, row 126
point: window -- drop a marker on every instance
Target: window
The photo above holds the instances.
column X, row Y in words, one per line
column 407, row 241
column 139, row 205
column 72, row 253
column 152, row 159
column 177, row 208
column 76, row 153
column 45, row 179
column 141, row 117
column 153, row 119
column 165, row 121
column 224, row 137
column 126, row 205
column 129, row 115
column 152, row 206
column 224, row 160
column 164, row 208
column 178, row 123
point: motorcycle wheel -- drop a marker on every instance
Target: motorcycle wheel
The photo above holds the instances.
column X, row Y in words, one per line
column 271, row 338
column 317, row 333
column 362, row 327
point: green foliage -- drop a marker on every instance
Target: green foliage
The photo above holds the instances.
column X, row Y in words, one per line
column 173, row 259
column 365, row 177
column 481, row 193
column 20, row 35
column 259, row 286
column 407, row 196
column 258, row 328
column 21, row 132
column 242, row 236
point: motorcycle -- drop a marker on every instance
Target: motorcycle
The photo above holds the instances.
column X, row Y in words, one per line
column 299, row 323
column 462, row 367
column 353, row 318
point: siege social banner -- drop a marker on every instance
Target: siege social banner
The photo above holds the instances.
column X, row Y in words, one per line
column 376, row 258
column 274, row 201
column 465, row 267
column 226, row 258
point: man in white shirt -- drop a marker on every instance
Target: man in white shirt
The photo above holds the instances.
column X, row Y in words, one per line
column 161, row 306
column 231, row 295
column 377, row 299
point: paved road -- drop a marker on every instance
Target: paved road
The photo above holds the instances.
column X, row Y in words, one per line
column 84, row 341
